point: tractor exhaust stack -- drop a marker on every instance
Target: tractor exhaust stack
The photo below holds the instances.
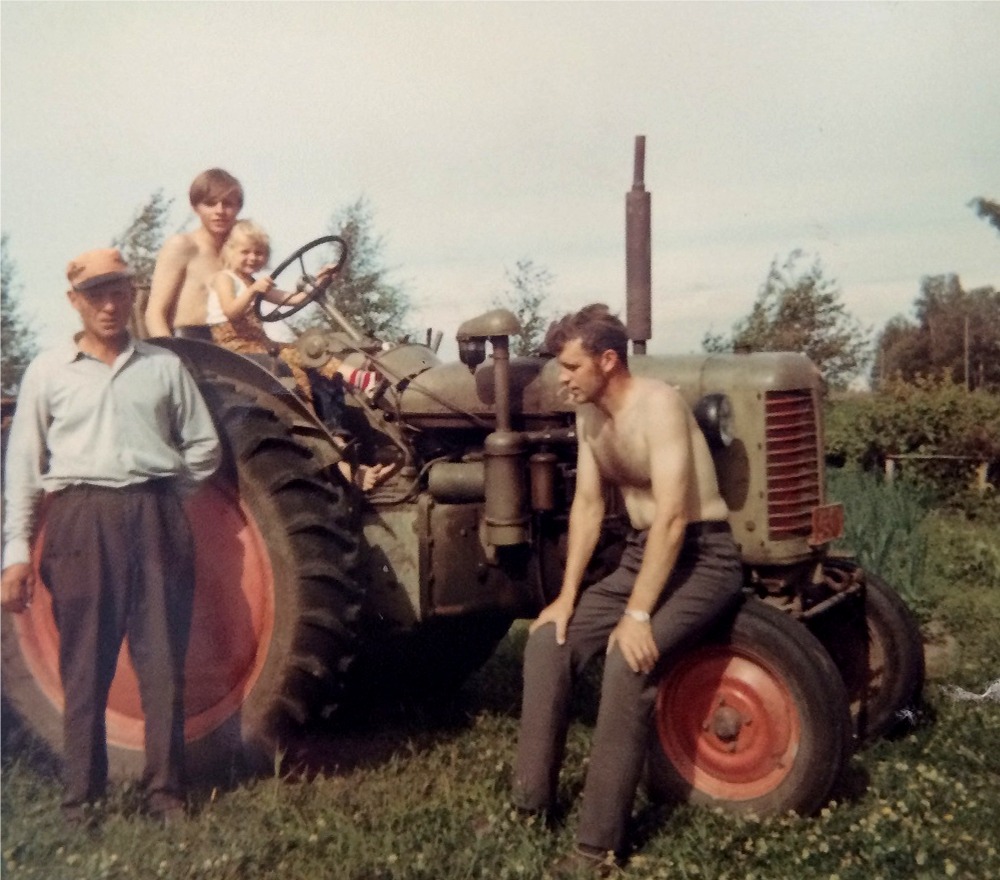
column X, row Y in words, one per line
column 638, row 260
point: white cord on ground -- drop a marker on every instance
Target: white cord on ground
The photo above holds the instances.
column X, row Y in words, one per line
column 957, row 693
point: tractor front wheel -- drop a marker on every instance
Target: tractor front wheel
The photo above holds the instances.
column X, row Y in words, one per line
column 755, row 719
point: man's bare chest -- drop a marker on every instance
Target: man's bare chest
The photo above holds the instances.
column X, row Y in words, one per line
column 622, row 454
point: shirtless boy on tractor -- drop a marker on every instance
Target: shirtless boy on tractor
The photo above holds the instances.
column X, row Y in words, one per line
column 177, row 296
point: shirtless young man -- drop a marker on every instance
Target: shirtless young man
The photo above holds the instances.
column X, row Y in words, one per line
column 679, row 573
column 177, row 296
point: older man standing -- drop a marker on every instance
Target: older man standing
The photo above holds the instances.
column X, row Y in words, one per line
column 114, row 430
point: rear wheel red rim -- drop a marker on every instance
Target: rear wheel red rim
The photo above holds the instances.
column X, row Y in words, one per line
column 727, row 723
column 230, row 633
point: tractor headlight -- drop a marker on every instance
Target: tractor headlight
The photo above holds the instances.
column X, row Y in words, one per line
column 714, row 414
column 472, row 351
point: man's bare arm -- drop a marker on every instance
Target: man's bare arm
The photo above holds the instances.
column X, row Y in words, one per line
column 671, row 473
column 586, row 516
column 168, row 279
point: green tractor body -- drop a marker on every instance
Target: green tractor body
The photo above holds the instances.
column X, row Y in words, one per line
column 311, row 597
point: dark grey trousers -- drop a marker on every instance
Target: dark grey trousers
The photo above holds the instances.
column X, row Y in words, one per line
column 120, row 562
column 704, row 585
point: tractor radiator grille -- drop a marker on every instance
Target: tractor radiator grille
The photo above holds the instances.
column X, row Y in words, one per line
column 793, row 483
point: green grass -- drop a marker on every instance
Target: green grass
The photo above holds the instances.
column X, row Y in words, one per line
column 427, row 798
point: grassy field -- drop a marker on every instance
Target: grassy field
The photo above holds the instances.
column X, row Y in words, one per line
column 427, row 797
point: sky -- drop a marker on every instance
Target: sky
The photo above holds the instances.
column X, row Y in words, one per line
column 486, row 133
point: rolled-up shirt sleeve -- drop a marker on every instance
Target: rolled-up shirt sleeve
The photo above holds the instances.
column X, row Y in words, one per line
column 25, row 463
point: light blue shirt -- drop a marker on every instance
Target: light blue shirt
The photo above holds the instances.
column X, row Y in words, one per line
column 79, row 420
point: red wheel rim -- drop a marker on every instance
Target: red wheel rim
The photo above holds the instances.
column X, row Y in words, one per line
column 727, row 723
column 230, row 632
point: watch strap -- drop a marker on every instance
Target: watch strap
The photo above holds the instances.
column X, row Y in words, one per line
column 641, row 616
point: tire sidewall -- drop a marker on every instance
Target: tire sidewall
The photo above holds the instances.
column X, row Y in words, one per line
column 246, row 738
column 786, row 649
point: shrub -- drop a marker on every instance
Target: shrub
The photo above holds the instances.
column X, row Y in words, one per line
column 932, row 417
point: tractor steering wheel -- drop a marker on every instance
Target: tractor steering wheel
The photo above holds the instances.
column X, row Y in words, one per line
column 306, row 283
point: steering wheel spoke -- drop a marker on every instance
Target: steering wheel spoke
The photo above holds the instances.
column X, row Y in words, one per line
column 307, row 284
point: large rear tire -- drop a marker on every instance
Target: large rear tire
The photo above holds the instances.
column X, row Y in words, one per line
column 276, row 601
column 754, row 719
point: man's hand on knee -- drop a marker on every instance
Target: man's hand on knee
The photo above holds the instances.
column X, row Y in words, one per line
column 559, row 613
column 634, row 639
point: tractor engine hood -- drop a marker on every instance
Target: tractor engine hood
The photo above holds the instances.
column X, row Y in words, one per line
column 448, row 394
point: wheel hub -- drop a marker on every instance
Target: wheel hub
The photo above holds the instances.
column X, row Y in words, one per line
column 727, row 723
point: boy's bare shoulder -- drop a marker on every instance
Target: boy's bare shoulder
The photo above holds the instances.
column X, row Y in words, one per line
column 181, row 246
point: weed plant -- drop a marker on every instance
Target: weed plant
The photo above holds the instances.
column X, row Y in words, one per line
column 963, row 578
column 884, row 527
column 425, row 795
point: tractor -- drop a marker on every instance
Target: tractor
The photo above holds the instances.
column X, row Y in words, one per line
column 312, row 597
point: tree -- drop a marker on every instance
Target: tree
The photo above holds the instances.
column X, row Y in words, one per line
column 140, row 243
column 800, row 310
column 989, row 210
column 955, row 332
column 526, row 297
column 361, row 289
column 899, row 343
column 17, row 338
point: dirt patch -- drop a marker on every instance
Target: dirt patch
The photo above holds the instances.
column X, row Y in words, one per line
column 941, row 651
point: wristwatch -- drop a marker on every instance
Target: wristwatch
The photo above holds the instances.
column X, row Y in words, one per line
column 641, row 616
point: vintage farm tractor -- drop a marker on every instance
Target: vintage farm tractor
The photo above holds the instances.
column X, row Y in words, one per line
column 311, row 597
